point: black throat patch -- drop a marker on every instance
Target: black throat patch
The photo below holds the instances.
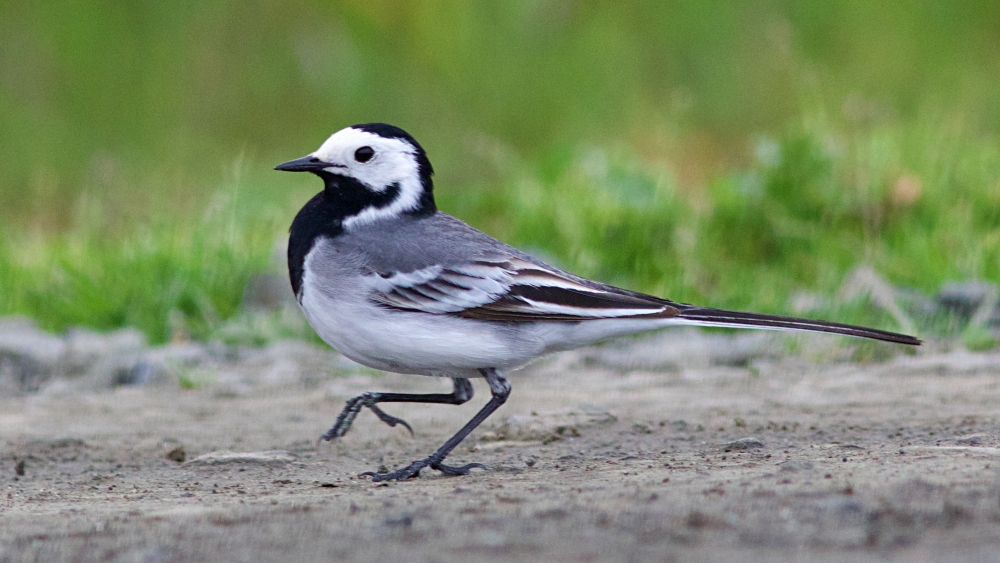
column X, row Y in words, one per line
column 325, row 213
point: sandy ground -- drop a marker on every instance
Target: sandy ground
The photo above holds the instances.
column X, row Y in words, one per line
column 589, row 461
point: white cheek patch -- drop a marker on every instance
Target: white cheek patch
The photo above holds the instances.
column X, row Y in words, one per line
column 407, row 200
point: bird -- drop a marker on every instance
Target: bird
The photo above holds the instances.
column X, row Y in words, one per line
column 391, row 282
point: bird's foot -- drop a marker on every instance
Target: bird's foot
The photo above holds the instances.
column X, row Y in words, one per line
column 413, row 470
column 351, row 410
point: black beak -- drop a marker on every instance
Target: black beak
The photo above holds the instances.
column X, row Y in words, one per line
column 305, row 164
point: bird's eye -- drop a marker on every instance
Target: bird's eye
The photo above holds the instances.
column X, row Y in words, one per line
column 364, row 154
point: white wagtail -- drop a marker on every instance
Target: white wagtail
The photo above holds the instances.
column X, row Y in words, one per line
column 394, row 284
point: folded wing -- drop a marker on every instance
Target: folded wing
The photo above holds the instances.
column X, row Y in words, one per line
column 509, row 289
column 513, row 289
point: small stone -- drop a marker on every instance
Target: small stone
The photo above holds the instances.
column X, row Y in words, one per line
column 974, row 440
column 965, row 298
column 402, row 521
column 85, row 348
column 743, row 444
column 29, row 357
column 639, row 428
column 139, row 373
column 177, row 454
column 270, row 458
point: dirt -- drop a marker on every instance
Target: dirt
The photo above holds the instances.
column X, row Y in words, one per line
column 783, row 459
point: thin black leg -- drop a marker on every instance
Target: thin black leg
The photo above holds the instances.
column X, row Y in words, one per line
column 462, row 393
column 501, row 390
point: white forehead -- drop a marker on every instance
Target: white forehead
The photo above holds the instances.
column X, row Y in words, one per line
column 340, row 147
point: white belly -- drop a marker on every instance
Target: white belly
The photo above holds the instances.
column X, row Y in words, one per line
column 406, row 342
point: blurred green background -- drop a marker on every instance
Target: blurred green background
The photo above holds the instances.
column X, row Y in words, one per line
column 735, row 154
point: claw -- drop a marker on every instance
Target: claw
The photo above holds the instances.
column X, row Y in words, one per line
column 387, row 418
column 413, row 470
column 453, row 471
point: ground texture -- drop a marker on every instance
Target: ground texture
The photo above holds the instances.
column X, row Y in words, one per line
column 681, row 447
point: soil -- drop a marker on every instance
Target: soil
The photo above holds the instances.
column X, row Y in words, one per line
column 780, row 459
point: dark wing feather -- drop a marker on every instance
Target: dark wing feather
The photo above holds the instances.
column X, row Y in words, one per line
column 510, row 289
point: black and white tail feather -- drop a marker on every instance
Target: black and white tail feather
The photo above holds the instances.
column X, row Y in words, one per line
column 703, row 316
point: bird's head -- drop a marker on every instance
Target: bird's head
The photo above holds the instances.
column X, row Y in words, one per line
column 375, row 170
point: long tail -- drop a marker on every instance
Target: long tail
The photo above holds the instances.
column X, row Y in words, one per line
column 735, row 319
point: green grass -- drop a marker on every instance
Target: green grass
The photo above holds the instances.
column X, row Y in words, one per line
column 815, row 203
column 172, row 278
column 714, row 152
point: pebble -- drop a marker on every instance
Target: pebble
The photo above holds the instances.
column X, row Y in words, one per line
column 974, row 440
column 28, row 356
column 177, row 454
column 270, row 458
column 965, row 298
column 743, row 444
